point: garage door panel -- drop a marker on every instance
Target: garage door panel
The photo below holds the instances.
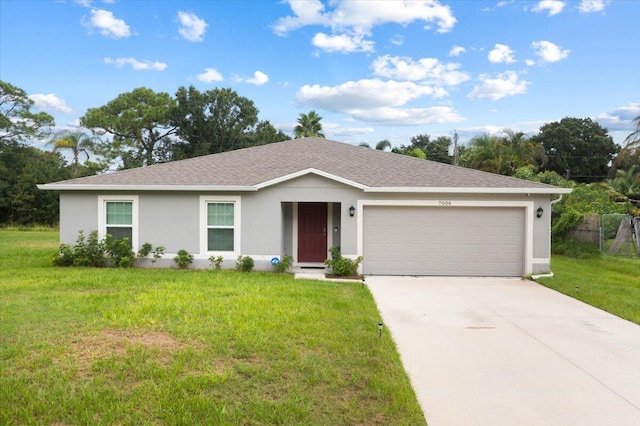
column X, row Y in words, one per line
column 443, row 241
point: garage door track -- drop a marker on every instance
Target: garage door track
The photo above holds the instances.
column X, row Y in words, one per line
column 499, row 351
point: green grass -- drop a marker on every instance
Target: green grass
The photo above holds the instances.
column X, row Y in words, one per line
column 607, row 282
column 134, row 346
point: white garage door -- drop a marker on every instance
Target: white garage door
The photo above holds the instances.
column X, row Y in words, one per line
column 453, row 241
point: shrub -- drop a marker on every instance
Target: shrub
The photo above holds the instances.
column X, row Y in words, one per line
column 157, row 254
column 244, row 264
column 64, row 257
column 285, row 264
column 183, row 259
column 216, row 262
column 342, row 266
column 145, row 250
column 119, row 251
column 89, row 252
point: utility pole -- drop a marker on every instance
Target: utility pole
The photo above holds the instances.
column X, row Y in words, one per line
column 456, row 155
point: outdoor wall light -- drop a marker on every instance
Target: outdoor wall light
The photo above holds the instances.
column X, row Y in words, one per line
column 352, row 211
column 539, row 212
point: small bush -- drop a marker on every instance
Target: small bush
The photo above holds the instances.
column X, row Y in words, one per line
column 145, row 250
column 88, row 252
column 64, row 257
column 342, row 266
column 244, row 264
column 285, row 264
column 216, row 262
column 119, row 252
column 183, row 259
column 157, row 254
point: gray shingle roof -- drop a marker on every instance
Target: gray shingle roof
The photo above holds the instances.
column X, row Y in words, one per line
column 253, row 166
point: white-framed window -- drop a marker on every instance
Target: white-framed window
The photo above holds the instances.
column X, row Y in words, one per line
column 220, row 224
column 118, row 217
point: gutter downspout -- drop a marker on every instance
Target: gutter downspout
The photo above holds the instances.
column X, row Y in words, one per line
column 550, row 274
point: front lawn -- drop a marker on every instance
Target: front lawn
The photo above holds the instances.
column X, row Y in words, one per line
column 134, row 346
column 609, row 283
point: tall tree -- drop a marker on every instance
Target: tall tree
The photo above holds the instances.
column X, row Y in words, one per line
column 309, row 125
column 434, row 150
column 21, row 169
column 139, row 123
column 214, row 121
column 383, row 145
column 77, row 143
column 262, row 134
column 488, row 153
column 17, row 121
column 633, row 140
column 577, row 147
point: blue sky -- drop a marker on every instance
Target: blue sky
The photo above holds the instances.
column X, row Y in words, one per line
column 372, row 69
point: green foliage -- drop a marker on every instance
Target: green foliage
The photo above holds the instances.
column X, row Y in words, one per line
column 575, row 249
column 157, row 254
column 17, row 122
column 423, row 147
column 285, row 264
column 86, row 252
column 139, row 122
column 145, row 250
column 578, row 147
column 93, row 252
column 244, row 264
column 342, row 266
column 216, row 262
column 77, row 143
column 183, row 259
column 309, row 125
column 21, row 169
column 214, row 121
column 585, row 199
column 503, row 154
column 119, row 251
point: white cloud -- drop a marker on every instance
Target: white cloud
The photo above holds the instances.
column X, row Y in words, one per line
column 548, row 51
column 351, row 21
column 589, row 6
column 378, row 101
column 456, row 51
column 398, row 40
column 136, row 65
column 427, row 70
column 621, row 118
column 505, row 84
column 501, row 53
column 209, row 76
column 191, row 28
column 259, row 78
column 408, row 116
column 342, row 43
column 335, row 129
column 553, row 7
column 49, row 102
column 107, row 24
column 363, row 94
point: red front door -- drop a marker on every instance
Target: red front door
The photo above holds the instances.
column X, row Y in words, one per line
column 312, row 232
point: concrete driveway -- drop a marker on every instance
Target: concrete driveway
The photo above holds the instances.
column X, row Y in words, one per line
column 493, row 351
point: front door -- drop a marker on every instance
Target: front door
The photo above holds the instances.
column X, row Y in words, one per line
column 312, row 232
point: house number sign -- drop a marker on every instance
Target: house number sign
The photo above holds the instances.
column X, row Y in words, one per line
column 444, row 203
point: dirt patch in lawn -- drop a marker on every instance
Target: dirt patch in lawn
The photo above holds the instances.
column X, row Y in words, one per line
column 86, row 350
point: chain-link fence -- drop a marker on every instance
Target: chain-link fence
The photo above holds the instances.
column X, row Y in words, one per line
column 614, row 234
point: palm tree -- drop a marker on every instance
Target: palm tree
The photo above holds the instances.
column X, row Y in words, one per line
column 633, row 140
column 309, row 125
column 77, row 142
column 364, row 145
column 383, row 145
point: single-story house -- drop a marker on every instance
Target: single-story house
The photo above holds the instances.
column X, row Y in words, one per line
column 404, row 215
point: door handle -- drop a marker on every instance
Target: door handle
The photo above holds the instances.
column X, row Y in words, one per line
column 324, row 232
